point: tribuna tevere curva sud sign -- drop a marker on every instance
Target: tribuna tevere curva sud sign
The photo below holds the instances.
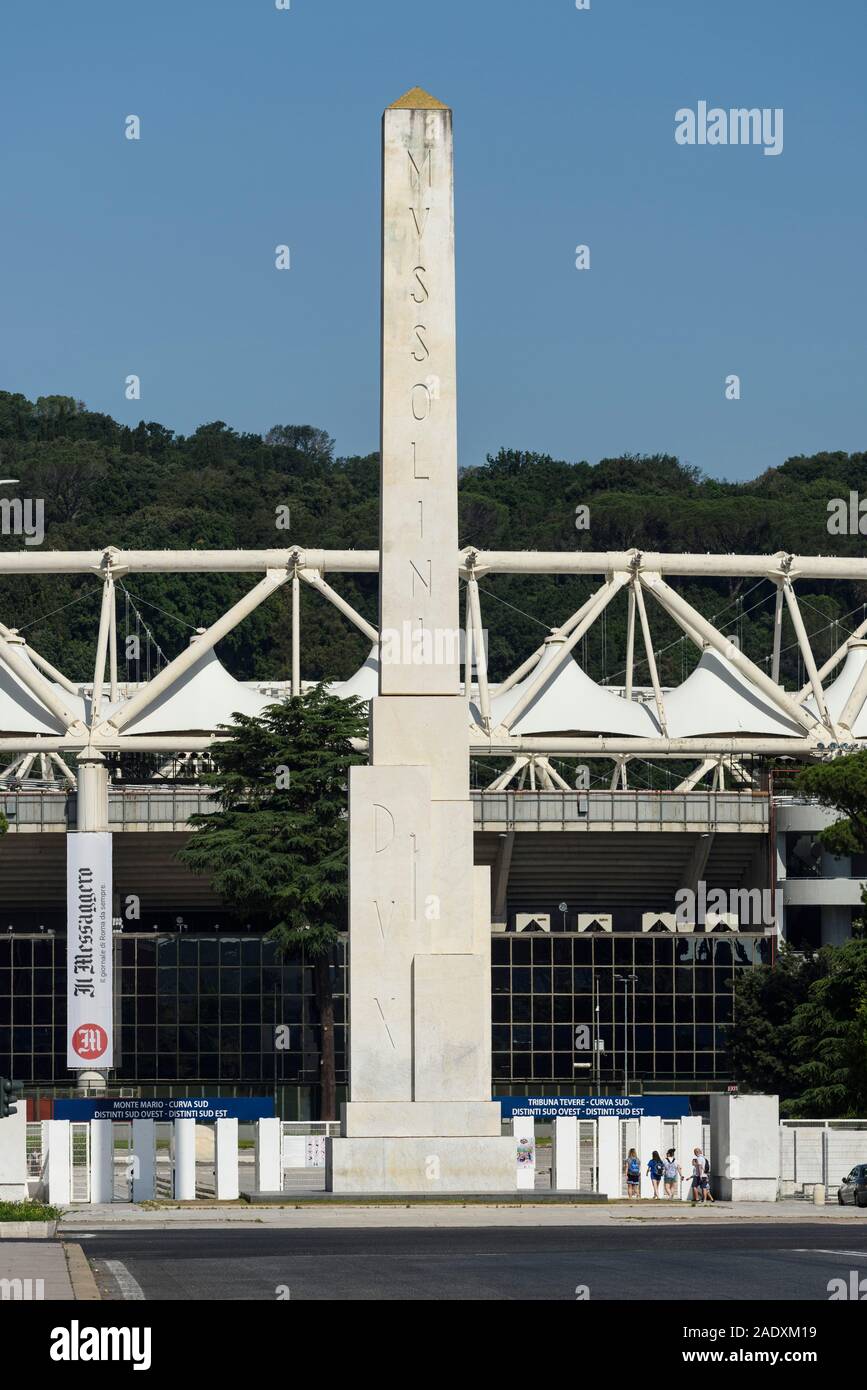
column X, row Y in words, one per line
column 89, row 993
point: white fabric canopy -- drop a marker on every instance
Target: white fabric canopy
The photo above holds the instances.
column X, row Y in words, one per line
column 23, row 713
column 204, row 697
column 837, row 694
column 364, row 684
column 571, row 703
column 717, row 700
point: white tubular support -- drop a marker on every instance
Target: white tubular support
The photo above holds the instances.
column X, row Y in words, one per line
column 296, row 634
column 559, row 782
column 493, row 562
column 10, row 655
column 24, row 769
column 113, row 691
column 468, row 648
column 190, row 561
column 630, row 642
column 315, row 580
column 105, row 612
column 544, row 775
column 479, row 646
column 64, row 767
column 855, row 702
column 651, row 658
column 778, row 635
column 503, row 779
column 696, row 775
column 144, row 698
column 685, row 615
column 593, row 608
column 806, row 653
column 606, row 746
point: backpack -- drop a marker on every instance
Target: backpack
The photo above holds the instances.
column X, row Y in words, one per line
column 633, row 1165
column 706, row 1169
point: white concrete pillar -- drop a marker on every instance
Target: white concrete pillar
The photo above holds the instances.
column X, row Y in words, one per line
column 55, row 1133
column 524, row 1131
column 269, row 1165
column 649, row 1138
column 609, row 1162
column 565, row 1173
column 226, row 1186
column 144, row 1161
column 13, row 1155
column 745, row 1144
column 185, row 1160
column 101, row 1161
column 690, row 1139
column 92, row 784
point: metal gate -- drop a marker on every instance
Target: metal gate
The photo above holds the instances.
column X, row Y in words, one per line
column 123, row 1159
column 79, row 1162
column 302, row 1152
column 588, row 1157
column 164, row 1162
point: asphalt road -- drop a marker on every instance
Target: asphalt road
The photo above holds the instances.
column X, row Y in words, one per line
column 761, row 1262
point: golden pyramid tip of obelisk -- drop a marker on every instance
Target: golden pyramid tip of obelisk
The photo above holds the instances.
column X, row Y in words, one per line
column 416, row 99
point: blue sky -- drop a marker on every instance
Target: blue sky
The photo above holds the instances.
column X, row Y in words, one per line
column 261, row 126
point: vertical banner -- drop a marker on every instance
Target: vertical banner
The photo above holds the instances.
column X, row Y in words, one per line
column 89, row 980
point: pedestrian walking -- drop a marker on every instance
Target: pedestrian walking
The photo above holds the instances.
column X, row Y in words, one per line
column 705, row 1183
column 672, row 1174
column 632, row 1169
column 655, row 1169
column 698, row 1162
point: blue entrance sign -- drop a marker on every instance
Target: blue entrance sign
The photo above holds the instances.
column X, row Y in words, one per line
column 593, row 1107
column 177, row 1108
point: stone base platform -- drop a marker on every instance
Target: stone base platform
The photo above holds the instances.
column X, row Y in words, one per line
column 453, row 1119
column 421, row 1165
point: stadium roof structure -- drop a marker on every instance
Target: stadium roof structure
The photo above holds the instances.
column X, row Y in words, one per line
column 727, row 708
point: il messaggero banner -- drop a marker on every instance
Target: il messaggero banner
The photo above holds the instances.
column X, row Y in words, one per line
column 89, row 991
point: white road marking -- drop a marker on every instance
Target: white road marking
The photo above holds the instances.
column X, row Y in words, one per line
column 856, row 1254
column 129, row 1287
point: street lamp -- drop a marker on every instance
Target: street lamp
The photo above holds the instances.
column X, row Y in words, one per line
column 627, row 980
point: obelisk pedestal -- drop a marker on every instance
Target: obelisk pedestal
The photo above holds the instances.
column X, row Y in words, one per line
column 420, row 1117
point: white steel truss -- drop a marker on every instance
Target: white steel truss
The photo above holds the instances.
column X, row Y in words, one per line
column 102, row 715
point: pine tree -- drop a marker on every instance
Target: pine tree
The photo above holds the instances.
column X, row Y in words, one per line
column 277, row 847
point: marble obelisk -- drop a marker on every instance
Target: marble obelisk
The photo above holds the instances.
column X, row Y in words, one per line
column 420, row 1116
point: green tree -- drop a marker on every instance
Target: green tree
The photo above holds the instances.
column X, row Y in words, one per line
column 760, row 1040
column 841, row 785
column 800, row 1031
column 277, row 847
column 829, row 1036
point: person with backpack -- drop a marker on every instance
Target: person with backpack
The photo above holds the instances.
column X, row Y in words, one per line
column 632, row 1169
column 705, row 1183
column 698, row 1162
column 655, row 1169
column 671, row 1172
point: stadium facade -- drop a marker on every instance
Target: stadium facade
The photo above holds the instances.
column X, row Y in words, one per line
column 593, row 986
